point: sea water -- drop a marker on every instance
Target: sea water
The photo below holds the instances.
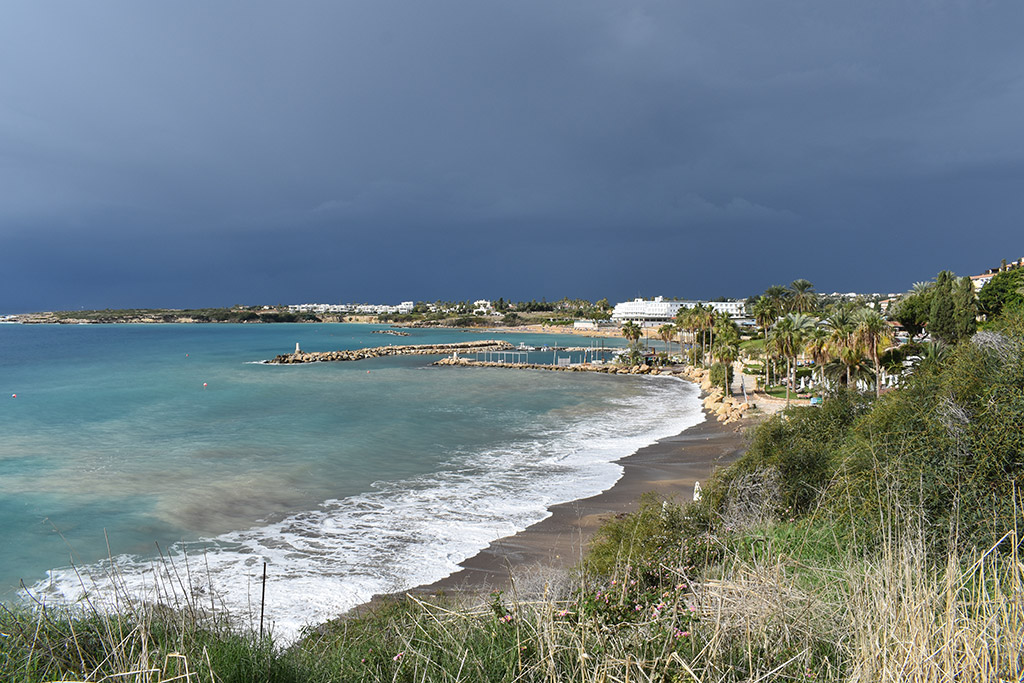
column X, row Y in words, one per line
column 168, row 461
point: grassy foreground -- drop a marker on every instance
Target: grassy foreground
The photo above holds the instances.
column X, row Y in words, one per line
column 860, row 541
column 778, row 601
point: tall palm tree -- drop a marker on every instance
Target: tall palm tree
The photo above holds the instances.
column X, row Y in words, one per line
column 726, row 352
column 788, row 337
column 778, row 295
column 842, row 339
column 816, row 344
column 765, row 313
column 685, row 322
column 700, row 319
column 802, row 297
column 666, row 332
column 707, row 320
column 872, row 333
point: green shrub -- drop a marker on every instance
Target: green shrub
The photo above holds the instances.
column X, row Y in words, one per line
column 798, row 447
column 949, row 445
column 658, row 533
column 721, row 374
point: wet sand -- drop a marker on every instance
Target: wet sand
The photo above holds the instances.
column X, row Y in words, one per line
column 669, row 467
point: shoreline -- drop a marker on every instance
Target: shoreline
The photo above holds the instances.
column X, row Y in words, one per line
column 669, row 467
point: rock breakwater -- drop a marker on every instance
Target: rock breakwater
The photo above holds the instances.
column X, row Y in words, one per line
column 382, row 351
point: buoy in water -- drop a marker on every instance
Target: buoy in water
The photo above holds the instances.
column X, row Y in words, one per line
column 204, row 384
column 14, row 396
column 367, row 372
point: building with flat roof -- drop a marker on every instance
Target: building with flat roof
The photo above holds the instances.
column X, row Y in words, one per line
column 662, row 310
column 981, row 280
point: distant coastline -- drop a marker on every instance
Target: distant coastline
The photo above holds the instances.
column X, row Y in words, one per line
column 236, row 314
column 279, row 314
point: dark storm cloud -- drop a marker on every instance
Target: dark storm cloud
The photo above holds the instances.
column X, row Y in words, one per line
column 214, row 153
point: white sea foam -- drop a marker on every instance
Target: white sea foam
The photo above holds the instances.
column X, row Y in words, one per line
column 402, row 534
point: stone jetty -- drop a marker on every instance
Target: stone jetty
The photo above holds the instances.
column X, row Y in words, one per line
column 725, row 409
column 381, row 351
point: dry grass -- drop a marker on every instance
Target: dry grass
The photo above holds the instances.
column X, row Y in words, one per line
column 897, row 616
column 911, row 621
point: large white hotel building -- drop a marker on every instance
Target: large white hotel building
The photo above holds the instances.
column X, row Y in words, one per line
column 662, row 310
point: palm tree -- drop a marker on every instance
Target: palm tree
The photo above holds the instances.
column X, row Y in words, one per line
column 765, row 314
column 802, row 297
column 873, row 335
column 726, row 352
column 631, row 331
column 666, row 332
column 850, row 365
column 816, row 344
column 700, row 318
column 933, row 354
column 777, row 294
column 707, row 322
column 788, row 336
column 684, row 323
column 842, row 339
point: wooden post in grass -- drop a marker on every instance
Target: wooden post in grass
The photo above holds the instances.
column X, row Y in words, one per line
column 263, row 598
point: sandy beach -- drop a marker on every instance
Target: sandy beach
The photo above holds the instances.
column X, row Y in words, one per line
column 668, row 467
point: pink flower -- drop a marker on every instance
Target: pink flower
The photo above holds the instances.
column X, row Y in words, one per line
column 398, row 656
column 638, row 608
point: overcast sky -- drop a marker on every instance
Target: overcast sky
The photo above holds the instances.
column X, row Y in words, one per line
column 215, row 153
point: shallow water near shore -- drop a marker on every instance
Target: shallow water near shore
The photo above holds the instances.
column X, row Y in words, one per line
column 347, row 479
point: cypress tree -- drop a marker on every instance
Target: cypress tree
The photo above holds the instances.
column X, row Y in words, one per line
column 965, row 308
column 941, row 320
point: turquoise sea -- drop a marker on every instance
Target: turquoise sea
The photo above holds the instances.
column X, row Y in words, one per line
column 167, row 458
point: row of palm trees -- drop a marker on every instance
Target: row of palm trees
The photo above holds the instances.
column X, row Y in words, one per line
column 846, row 339
column 840, row 345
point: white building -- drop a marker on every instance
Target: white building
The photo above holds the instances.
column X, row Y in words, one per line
column 735, row 309
column 403, row 308
column 662, row 310
column 642, row 310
